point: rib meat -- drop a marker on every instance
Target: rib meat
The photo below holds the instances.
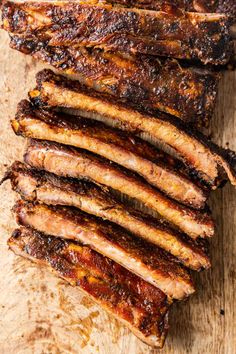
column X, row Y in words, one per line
column 69, row 162
column 140, row 257
column 156, row 167
column 186, row 92
column 93, row 199
column 220, row 6
column 207, row 159
column 140, row 306
column 171, row 32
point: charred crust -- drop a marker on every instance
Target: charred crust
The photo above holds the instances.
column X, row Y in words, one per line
column 221, row 6
column 149, row 83
column 115, row 285
column 48, row 245
column 145, row 30
column 16, row 234
column 151, row 255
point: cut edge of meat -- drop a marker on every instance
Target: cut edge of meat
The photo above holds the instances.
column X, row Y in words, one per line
column 156, row 167
column 43, row 187
column 142, row 258
column 58, row 91
column 68, row 161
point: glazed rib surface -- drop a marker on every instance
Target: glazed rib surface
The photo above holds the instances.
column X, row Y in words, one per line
column 140, row 306
column 206, row 158
column 140, row 257
column 171, row 32
column 46, row 188
column 70, row 162
column 156, row 167
column 221, row 6
column 186, row 92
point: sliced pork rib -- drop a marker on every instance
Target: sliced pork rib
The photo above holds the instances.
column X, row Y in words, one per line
column 70, row 162
column 47, row 188
column 156, row 167
column 171, row 32
column 206, row 158
column 140, row 306
column 142, row 258
column 186, row 92
column 220, row 6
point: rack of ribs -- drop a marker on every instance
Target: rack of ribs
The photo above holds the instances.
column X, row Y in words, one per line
column 170, row 32
column 88, row 166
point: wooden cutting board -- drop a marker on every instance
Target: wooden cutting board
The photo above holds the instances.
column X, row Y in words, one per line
column 41, row 314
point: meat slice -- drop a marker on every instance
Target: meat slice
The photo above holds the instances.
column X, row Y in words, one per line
column 140, row 306
column 70, row 162
column 188, row 93
column 170, row 32
column 93, row 199
column 156, row 167
column 207, row 159
column 140, row 257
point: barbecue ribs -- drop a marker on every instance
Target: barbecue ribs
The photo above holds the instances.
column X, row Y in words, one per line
column 70, row 162
column 140, row 306
column 142, row 258
column 47, row 188
column 220, row 6
column 206, row 158
column 155, row 166
column 170, row 32
column 186, row 92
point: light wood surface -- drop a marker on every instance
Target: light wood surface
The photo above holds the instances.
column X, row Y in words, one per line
column 40, row 314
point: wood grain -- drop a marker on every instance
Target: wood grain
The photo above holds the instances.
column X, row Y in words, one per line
column 40, row 314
